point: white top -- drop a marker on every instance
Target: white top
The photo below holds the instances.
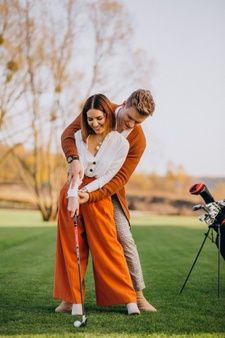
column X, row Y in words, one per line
column 108, row 160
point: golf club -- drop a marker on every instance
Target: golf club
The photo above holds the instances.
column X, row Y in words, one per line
column 82, row 322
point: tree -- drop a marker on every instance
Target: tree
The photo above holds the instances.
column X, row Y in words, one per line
column 48, row 67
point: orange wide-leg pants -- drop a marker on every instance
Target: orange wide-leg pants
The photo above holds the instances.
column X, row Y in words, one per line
column 97, row 232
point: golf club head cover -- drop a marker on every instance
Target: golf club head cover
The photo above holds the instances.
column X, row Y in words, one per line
column 202, row 190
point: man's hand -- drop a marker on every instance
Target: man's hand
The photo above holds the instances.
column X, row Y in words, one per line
column 73, row 206
column 83, row 197
column 75, row 170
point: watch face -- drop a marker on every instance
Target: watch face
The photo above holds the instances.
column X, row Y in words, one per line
column 69, row 159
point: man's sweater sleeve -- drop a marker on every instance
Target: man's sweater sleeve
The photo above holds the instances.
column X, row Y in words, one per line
column 67, row 139
column 137, row 147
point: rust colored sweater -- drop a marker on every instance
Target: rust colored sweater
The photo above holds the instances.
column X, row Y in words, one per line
column 137, row 143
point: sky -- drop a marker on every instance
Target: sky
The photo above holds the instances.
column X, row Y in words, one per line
column 186, row 41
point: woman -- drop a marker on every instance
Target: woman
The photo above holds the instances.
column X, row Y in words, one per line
column 102, row 152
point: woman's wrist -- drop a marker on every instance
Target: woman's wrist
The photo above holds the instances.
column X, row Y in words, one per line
column 72, row 192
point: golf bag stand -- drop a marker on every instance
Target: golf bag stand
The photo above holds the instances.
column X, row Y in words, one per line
column 196, row 258
column 215, row 219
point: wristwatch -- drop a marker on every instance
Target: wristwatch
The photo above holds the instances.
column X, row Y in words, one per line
column 70, row 158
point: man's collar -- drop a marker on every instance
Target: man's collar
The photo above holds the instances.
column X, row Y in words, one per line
column 117, row 110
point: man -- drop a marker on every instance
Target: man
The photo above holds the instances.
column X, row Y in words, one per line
column 129, row 116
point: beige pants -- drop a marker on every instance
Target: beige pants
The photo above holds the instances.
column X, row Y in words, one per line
column 129, row 247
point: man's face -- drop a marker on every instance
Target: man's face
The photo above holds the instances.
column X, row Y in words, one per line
column 130, row 117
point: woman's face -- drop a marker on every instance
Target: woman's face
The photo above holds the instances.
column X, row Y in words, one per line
column 96, row 120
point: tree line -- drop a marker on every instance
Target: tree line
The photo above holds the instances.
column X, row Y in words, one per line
column 53, row 55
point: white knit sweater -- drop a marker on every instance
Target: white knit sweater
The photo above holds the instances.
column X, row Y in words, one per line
column 106, row 163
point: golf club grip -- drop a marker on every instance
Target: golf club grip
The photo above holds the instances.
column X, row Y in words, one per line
column 75, row 219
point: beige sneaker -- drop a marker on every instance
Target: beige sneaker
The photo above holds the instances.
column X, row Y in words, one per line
column 64, row 307
column 143, row 304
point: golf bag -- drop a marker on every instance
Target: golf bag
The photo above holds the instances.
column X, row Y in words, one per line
column 214, row 216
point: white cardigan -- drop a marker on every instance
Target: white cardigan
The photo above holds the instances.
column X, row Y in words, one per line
column 106, row 163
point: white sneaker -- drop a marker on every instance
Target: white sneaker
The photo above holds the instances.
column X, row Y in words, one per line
column 132, row 309
column 77, row 309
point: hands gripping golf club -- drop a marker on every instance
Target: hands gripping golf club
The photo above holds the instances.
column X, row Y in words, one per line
column 83, row 321
column 215, row 219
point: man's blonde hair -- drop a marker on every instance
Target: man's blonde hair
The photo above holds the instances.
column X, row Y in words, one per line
column 142, row 101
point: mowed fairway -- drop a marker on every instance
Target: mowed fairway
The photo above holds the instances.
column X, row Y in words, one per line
column 167, row 246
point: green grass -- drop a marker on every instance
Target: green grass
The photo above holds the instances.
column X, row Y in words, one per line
column 167, row 246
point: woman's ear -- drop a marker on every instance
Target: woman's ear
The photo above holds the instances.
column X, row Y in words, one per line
column 124, row 104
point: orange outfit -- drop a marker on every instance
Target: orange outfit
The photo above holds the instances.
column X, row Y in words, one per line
column 97, row 231
column 99, row 222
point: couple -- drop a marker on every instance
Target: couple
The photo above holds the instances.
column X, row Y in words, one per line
column 108, row 148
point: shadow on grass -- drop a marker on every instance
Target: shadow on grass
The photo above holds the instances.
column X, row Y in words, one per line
column 166, row 255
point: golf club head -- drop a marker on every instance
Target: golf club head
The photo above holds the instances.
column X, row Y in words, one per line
column 197, row 207
column 80, row 323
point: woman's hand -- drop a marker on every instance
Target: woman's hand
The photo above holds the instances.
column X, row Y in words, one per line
column 75, row 171
column 83, row 197
column 73, row 206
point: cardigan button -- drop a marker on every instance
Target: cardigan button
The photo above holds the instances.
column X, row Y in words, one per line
column 94, row 162
column 91, row 170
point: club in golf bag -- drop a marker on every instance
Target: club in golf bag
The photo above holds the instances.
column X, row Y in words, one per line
column 215, row 219
column 83, row 321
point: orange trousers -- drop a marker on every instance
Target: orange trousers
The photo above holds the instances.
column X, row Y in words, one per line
column 97, row 232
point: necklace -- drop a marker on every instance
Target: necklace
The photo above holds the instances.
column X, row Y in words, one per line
column 99, row 143
column 98, row 146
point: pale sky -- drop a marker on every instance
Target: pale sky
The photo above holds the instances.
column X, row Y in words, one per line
column 186, row 40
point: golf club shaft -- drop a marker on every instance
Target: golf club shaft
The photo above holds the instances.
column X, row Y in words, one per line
column 78, row 261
